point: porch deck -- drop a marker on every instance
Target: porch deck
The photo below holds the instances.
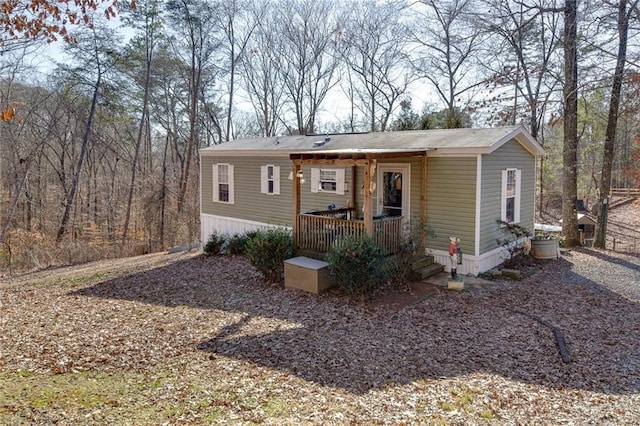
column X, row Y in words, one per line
column 318, row 231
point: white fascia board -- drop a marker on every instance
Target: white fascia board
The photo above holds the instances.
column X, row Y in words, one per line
column 458, row 152
column 524, row 138
column 243, row 153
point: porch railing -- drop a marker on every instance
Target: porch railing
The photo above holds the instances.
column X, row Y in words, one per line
column 319, row 233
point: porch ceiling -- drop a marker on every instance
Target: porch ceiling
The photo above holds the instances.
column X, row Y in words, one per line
column 352, row 155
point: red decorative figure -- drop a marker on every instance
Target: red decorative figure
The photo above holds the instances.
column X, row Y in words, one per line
column 453, row 254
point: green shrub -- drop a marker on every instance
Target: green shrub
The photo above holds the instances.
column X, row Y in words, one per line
column 237, row 244
column 267, row 250
column 400, row 266
column 357, row 264
column 214, row 244
column 251, row 234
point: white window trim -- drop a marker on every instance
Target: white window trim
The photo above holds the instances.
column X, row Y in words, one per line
column 517, row 197
column 340, row 180
column 405, row 169
column 264, row 179
column 216, row 193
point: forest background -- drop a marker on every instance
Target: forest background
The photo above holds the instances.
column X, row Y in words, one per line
column 99, row 147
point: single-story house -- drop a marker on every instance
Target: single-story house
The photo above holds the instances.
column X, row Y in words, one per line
column 457, row 181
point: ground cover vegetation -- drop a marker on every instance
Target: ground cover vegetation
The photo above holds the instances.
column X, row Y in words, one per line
column 160, row 339
column 99, row 148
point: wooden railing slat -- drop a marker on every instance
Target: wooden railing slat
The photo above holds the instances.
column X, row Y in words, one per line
column 316, row 232
column 625, row 192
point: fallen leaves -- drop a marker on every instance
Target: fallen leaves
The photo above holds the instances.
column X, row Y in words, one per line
column 204, row 340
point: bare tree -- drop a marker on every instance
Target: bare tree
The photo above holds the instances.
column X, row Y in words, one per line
column 196, row 19
column 262, row 70
column 530, row 34
column 570, row 147
column 612, row 121
column 147, row 14
column 446, row 48
column 372, row 42
column 307, row 29
column 238, row 26
column 170, row 109
column 92, row 49
column 15, row 158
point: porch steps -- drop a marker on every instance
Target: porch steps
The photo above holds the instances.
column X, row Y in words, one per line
column 428, row 271
column 423, row 267
column 419, row 261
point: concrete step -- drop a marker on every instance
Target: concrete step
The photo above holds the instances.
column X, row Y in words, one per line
column 428, row 271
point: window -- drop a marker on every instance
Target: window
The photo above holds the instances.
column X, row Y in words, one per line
column 270, row 179
column 510, row 211
column 223, row 183
column 328, row 180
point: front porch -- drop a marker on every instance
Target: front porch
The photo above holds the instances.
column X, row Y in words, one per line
column 317, row 231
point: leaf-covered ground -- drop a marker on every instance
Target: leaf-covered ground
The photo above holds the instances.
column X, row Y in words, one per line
column 186, row 339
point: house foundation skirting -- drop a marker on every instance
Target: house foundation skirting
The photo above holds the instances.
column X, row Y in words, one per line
column 229, row 225
column 471, row 265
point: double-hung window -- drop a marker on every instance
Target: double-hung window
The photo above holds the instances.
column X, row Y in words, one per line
column 510, row 205
column 328, row 180
column 270, row 179
column 223, row 183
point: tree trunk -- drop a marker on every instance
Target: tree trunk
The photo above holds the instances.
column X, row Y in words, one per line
column 194, row 86
column 570, row 146
column 612, row 123
column 14, row 203
column 163, row 194
column 83, row 151
column 232, row 75
column 136, row 154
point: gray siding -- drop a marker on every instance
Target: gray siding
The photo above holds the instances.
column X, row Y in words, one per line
column 510, row 155
column 252, row 205
column 451, row 201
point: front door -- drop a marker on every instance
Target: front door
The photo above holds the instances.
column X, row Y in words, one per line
column 393, row 190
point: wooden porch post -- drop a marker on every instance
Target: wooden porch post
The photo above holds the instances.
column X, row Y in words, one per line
column 353, row 189
column 423, row 203
column 296, row 204
column 368, row 211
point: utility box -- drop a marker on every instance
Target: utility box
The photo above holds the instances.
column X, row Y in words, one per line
column 304, row 273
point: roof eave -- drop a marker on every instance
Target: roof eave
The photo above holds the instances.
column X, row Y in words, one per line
column 458, row 152
column 524, row 138
column 246, row 153
column 358, row 154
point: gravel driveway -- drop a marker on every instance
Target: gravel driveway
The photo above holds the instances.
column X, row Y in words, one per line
column 208, row 329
